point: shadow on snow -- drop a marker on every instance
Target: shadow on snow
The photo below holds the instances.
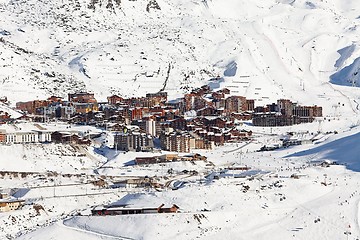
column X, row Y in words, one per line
column 345, row 151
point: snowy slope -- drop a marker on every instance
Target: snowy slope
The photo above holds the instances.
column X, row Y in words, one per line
column 307, row 51
column 341, row 149
column 324, row 201
column 264, row 50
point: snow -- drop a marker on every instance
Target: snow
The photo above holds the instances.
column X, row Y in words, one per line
column 338, row 148
column 213, row 209
column 306, row 51
column 198, row 39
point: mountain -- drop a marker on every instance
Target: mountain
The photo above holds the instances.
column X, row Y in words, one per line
column 307, row 51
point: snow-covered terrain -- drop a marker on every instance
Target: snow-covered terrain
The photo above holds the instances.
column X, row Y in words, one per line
column 264, row 49
column 306, row 51
column 323, row 202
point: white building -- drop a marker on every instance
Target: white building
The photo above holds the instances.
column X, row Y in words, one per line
column 34, row 136
column 43, row 136
column 22, row 137
column 151, row 127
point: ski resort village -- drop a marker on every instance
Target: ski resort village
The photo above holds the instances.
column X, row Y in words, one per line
column 73, row 163
column 179, row 119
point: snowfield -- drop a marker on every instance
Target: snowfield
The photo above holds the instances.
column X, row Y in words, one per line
column 320, row 201
column 305, row 51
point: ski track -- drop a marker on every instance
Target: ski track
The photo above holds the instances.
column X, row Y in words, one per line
column 87, row 231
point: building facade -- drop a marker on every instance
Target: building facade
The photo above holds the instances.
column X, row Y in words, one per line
column 133, row 141
column 175, row 142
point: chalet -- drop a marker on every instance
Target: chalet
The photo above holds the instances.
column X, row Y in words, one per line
column 218, row 95
column 86, row 107
column 115, row 114
column 219, row 139
column 171, row 113
column 69, row 138
column 236, row 135
column 55, row 99
column 146, row 160
column 215, row 129
column 244, row 116
column 169, row 157
column 10, row 204
column 4, row 194
column 173, row 209
column 115, row 99
column 100, row 210
column 205, row 89
column 81, row 97
column 214, row 121
column 4, row 117
column 115, row 127
column 158, row 98
column 31, row 106
column 193, row 157
column 207, row 111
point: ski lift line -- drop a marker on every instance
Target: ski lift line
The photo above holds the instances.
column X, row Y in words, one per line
column 236, row 149
column 313, row 212
column 344, row 95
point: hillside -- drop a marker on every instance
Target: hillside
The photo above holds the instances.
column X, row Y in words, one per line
column 302, row 50
column 322, row 201
column 307, row 51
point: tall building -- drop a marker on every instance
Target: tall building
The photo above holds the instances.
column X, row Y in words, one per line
column 236, row 104
column 175, row 142
column 151, row 127
column 133, row 141
column 285, row 107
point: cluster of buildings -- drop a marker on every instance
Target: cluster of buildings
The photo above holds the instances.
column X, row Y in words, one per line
column 201, row 119
column 36, row 134
column 57, row 108
column 284, row 113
